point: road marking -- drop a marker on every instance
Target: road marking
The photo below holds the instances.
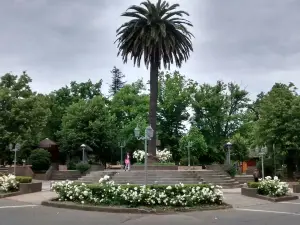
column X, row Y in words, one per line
column 16, row 206
column 267, row 211
column 293, row 203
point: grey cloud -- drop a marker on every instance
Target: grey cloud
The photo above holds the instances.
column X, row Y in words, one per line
column 57, row 41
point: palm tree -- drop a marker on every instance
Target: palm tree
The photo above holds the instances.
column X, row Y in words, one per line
column 159, row 34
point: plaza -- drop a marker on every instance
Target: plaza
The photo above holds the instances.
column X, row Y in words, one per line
column 27, row 210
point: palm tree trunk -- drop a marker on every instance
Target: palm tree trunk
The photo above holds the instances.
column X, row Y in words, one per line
column 153, row 105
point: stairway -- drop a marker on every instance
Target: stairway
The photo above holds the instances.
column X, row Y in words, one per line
column 65, row 175
column 3, row 170
column 94, row 176
column 166, row 177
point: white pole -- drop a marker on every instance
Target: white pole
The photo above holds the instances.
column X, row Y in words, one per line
column 262, row 167
column 229, row 160
column 15, row 163
column 146, row 160
column 189, row 155
column 83, row 155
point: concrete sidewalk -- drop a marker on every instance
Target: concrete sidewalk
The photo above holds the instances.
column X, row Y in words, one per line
column 34, row 198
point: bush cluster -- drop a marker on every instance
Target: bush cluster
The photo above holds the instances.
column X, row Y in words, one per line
column 83, row 167
column 253, row 184
column 108, row 193
column 40, row 160
column 272, row 187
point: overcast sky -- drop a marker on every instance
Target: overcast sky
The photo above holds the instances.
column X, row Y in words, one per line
column 251, row 42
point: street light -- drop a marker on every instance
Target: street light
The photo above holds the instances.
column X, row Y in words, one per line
column 261, row 152
column 122, row 145
column 83, row 147
column 147, row 137
column 190, row 144
column 228, row 160
column 15, row 150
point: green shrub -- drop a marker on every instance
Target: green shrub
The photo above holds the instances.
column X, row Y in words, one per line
column 114, row 195
column 23, row 179
column 40, row 159
column 231, row 170
column 253, row 184
column 71, row 165
column 83, row 167
column 185, row 161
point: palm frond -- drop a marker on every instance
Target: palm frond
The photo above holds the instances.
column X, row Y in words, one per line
column 157, row 34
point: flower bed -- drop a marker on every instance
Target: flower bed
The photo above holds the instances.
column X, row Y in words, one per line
column 108, row 193
column 8, row 183
column 11, row 185
column 272, row 187
column 164, row 156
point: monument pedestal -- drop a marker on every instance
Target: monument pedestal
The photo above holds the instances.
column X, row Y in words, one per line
column 153, row 164
column 152, row 159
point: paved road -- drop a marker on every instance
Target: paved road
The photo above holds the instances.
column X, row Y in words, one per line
column 249, row 211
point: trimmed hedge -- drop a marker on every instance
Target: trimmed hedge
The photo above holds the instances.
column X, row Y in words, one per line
column 23, row 179
column 96, row 188
column 253, row 184
column 83, row 167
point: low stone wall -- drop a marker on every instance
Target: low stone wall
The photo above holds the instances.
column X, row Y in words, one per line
column 244, row 178
column 26, row 188
column 296, row 188
column 154, row 167
column 21, row 171
column 97, row 168
column 252, row 192
column 40, row 176
column 190, row 168
column 66, row 175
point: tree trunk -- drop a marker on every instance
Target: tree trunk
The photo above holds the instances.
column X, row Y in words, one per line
column 153, row 106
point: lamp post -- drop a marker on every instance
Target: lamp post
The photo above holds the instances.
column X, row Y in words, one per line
column 190, row 144
column 122, row 145
column 261, row 152
column 148, row 135
column 228, row 160
column 83, row 147
column 15, row 150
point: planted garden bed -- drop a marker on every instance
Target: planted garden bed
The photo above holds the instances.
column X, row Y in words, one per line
column 296, row 188
column 11, row 185
column 268, row 189
column 156, row 198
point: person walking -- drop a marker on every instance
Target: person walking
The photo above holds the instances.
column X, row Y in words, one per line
column 256, row 175
column 127, row 162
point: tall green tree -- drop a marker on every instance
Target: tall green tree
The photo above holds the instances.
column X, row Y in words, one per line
column 117, row 81
column 174, row 98
column 279, row 117
column 62, row 98
column 130, row 106
column 219, row 112
column 23, row 115
column 91, row 123
column 159, row 34
column 198, row 146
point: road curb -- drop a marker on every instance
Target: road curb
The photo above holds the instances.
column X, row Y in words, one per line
column 109, row 209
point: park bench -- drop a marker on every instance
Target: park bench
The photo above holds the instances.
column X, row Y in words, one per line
column 296, row 175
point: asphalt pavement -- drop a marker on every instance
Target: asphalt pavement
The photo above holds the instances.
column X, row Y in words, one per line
column 27, row 210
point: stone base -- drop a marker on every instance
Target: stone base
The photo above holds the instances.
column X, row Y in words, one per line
column 252, row 192
column 154, row 167
column 26, row 188
column 296, row 188
column 152, row 159
column 278, row 199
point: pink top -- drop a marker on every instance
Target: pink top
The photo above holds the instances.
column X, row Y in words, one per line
column 127, row 160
